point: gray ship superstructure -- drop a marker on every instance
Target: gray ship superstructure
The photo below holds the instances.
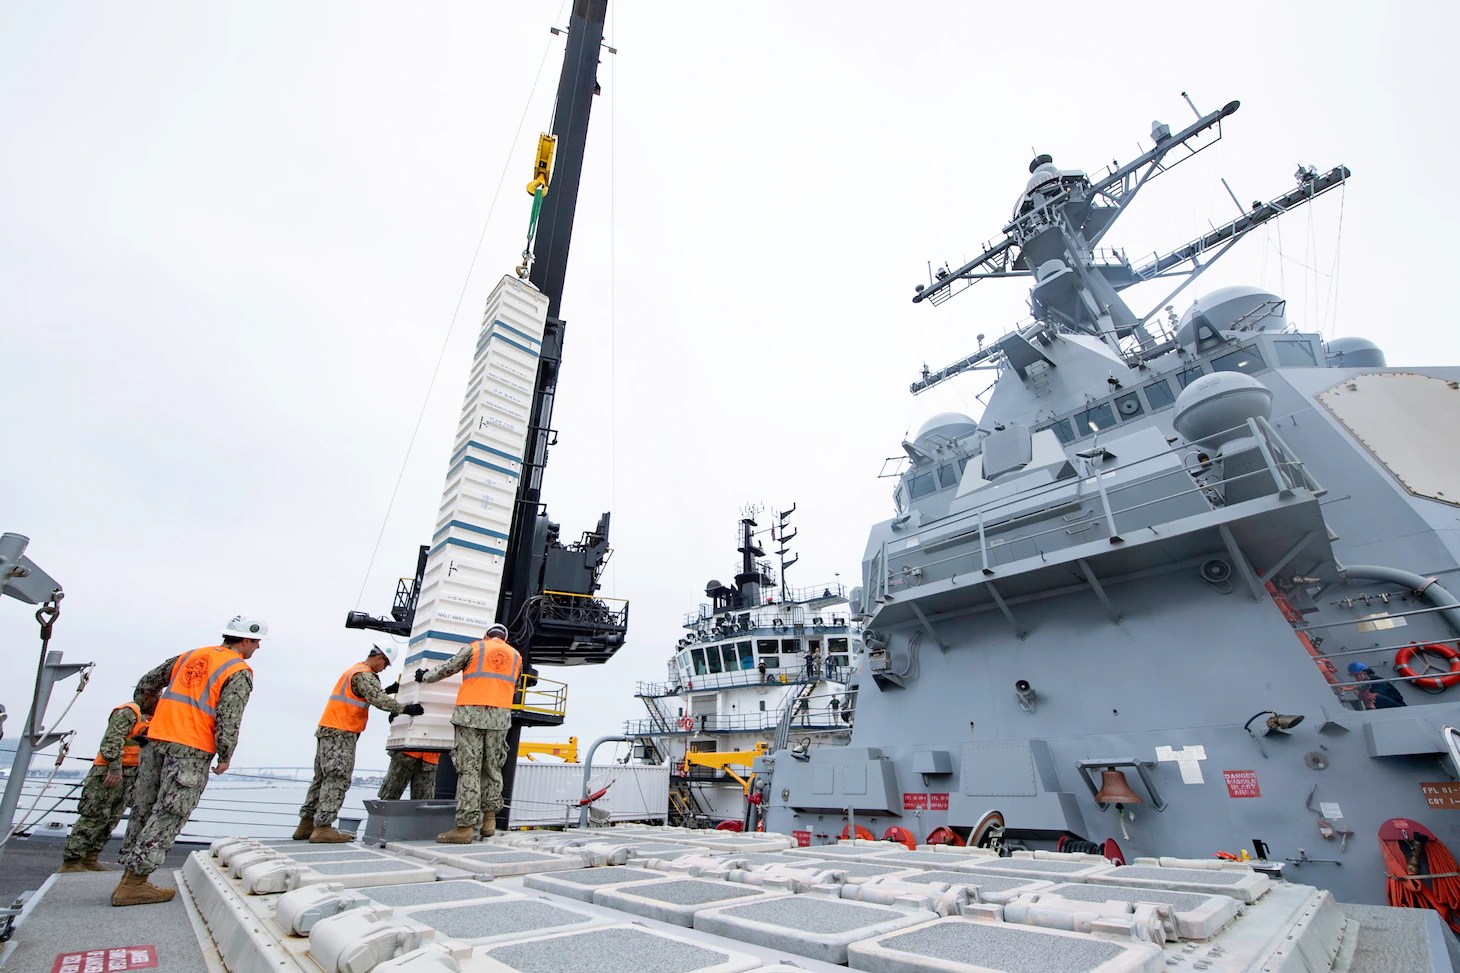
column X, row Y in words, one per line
column 1123, row 604
column 762, row 665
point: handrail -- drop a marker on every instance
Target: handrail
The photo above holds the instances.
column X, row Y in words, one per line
column 1278, row 462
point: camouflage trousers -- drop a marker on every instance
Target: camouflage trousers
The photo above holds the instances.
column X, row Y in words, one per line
column 144, row 794
column 99, row 813
column 405, row 769
column 334, row 769
column 169, row 786
column 478, row 756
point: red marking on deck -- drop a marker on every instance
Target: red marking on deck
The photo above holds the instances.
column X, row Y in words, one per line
column 112, row 959
column 1242, row 783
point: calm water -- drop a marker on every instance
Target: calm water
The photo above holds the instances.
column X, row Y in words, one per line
column 230, row 806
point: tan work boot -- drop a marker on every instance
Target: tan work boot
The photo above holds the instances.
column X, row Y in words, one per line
column 90, row 863
column 70, row 865
column 328, row 835
column 460, row 835
column 134, row 889
column 489, row 825
column 305, row 830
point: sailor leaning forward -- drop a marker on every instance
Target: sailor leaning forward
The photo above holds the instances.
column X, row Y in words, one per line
column 200, row 706
column 414, row 767
column 345, row 715
column 490, row 669
column 108, row 787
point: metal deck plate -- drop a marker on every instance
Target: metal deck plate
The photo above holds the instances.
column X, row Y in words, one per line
column 811, row 925
column 677, row 898
column 1197, row 916
column 858, row 872
column 613, row 949
column 1240, row 883
column 427, row 893
column 583, row 883
column 957, row 945
column 490, row 922
column 1069, row 871
column 988, row 888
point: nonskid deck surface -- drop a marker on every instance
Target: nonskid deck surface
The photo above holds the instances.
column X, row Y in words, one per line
column 417, row 907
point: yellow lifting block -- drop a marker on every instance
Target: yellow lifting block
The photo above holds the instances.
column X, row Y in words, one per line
column 543, row 170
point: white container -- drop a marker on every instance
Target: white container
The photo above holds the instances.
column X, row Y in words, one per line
column 547, row 794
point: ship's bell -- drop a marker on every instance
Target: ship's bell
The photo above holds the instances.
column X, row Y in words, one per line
column 1114, row 789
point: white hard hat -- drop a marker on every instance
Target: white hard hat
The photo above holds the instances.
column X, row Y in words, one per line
column 386, row 650
column 497, row 630
column 246, row 627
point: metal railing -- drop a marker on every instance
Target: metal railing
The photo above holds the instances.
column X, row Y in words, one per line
column 1097, row 509
column 546, row 696
column 706, row 682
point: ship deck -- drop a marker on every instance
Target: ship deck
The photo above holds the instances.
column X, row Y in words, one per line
column 609, row 900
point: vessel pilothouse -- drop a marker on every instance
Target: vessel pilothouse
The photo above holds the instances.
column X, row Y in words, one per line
column 1182, row 589
column 763, row 665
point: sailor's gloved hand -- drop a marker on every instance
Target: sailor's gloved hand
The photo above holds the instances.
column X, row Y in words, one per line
column 391, row 717
column 414, row 709
column 393, row 688
column 420, row 674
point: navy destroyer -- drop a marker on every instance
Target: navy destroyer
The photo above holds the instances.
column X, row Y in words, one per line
column 1184, row 586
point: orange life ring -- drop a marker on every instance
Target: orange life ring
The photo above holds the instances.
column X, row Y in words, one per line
column 686, row 723
column 1437, row 683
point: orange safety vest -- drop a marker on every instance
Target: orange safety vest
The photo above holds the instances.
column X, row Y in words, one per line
column 131, row 752
column 430, row 756
column 345, row 710
column 490, row 678
column 185, row 712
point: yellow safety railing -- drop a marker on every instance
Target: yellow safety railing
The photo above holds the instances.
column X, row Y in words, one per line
column 547, row 696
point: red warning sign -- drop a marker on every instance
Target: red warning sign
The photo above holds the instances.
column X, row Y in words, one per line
column 113, row 959
column 938, row 802
column 803, row 838
column 1242, row 783
column 914, row 802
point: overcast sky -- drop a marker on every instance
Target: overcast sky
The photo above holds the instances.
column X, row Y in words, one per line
column 232, row 239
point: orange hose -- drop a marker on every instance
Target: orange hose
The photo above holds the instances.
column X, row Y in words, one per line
column 1431, row 858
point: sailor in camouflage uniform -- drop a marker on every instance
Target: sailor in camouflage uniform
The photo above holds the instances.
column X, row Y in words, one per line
column 490, row 670
column 345, row 716
column 106, row 791
column 414, row 767
column 199, row 710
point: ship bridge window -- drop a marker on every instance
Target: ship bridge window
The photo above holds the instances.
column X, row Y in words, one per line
column 791, row 646
column 767, row 646
column 921, row 485
column 836, row 645
column 698, row 655
column 1298, row 353
column 1129, row 405
column 771, row 661
column 1159, row 395
column 744, row 647
column 747, row 657
column 1189, row 375
column 712, row 658
column 1095, row 418
column 1246, row 361
column 947, row 475
column 1063, row 431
